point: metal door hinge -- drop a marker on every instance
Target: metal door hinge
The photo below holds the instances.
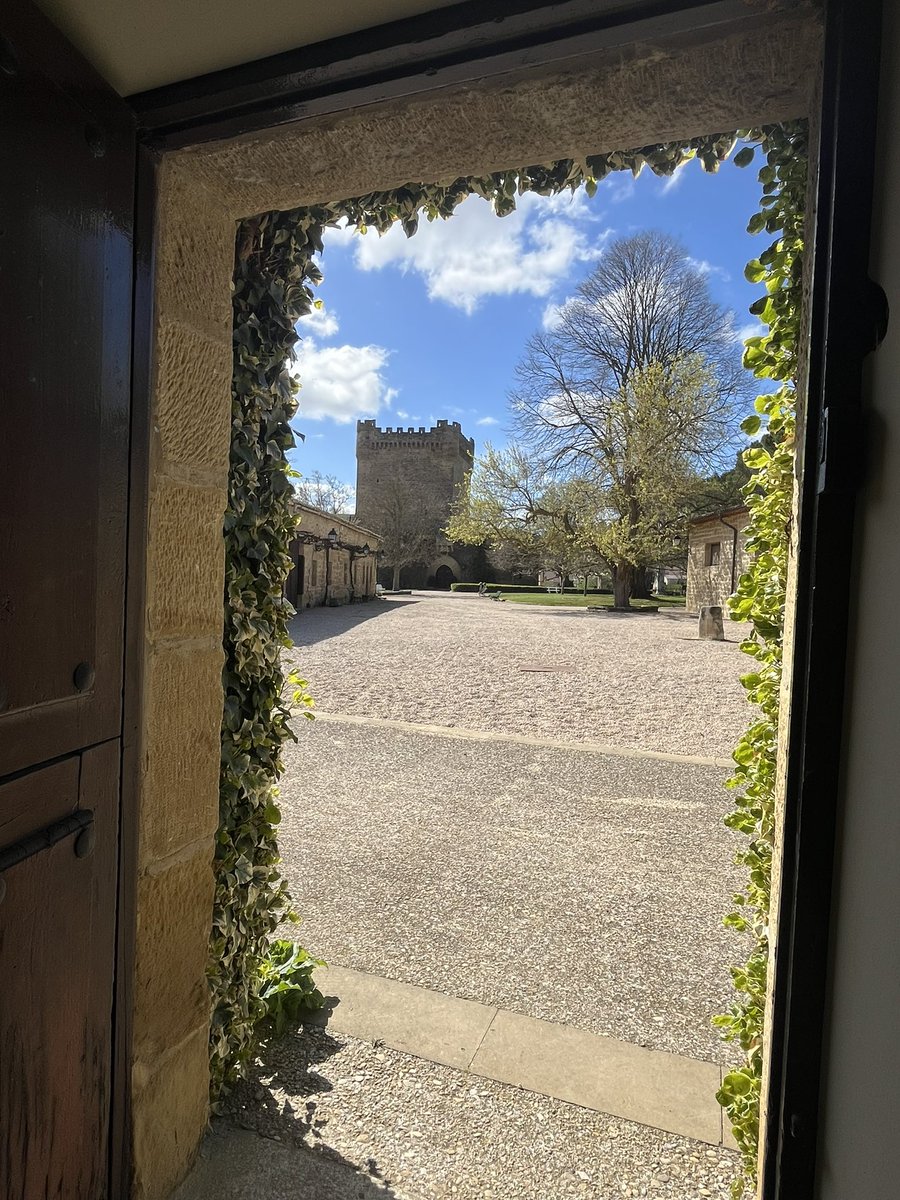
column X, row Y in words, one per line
column 877, row 316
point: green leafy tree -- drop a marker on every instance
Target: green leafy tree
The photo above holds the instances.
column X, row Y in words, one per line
column 627, row 509
column 634, row 389
column 525, row 514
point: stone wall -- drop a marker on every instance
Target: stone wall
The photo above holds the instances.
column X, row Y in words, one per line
column 430, row 463
column 180, row 740
column 326, row 574
column 712, row 583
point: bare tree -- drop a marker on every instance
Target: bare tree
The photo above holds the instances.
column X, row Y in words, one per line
column 407, row 527
column 635, row 390
column 326, row 492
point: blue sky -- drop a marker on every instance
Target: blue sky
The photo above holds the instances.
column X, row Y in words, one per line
column 431, row 327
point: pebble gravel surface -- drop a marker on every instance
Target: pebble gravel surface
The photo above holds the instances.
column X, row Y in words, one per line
column 458, row 659
column 358, row 1120
column 574, row 886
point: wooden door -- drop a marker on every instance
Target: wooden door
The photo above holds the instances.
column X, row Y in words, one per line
column 66, row 268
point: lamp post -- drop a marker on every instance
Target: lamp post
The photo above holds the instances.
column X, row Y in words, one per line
column 363, row 552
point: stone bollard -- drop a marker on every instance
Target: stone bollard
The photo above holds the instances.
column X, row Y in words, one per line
column 711, row 624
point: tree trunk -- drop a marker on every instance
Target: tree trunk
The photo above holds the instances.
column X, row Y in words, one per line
column 396, row 584
column 642, row 587
column 623, row 582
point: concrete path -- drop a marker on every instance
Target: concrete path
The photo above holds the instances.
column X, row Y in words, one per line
column 584, row 888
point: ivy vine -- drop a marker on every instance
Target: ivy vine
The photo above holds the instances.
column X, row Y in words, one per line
column 274, row 277
column 760, row 598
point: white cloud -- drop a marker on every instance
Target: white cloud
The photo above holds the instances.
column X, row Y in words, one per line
column 753, row 329
column 619, row 186
column 318, row 322
column 341, row 382
column 674, row 180
column 340, row 235
column 552, row 315
column 707, row 268
column 487, row 421
column 477, row 254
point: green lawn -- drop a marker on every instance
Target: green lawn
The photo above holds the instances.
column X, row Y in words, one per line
column 598, row 600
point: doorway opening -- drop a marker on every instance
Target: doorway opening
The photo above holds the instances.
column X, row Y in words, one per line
column 706, row 1119
column 444, row 577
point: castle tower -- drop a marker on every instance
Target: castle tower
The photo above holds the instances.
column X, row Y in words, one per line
column 430, row 464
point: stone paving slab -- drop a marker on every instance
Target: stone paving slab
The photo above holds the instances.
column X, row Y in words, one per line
column 443, row 1029
column 669, row 1092
column 665, row 1091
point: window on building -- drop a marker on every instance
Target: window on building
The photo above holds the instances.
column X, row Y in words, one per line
column 315, row 573
column 713, row 553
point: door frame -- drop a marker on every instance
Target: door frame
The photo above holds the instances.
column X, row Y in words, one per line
column 848, row 315
column 501, row 40
column 135, row 652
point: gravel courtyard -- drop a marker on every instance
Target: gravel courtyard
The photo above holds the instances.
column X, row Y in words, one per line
column 476, row 813
column 458, row 659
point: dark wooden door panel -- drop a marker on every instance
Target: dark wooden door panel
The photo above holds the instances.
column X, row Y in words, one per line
column 25, row 809
column 57, row 935
column 65, row 299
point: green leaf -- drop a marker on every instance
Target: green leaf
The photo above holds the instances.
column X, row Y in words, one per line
column 744, row 156
column 751, row 425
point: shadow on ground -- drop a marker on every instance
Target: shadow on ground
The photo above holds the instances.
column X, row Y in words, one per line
column 312, row 625
column 271, row 1142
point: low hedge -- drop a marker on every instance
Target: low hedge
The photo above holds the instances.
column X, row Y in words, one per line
column 523, row 587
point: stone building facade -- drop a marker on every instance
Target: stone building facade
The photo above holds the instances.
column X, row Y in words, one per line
column 334, row 560
column 717, row 556
column 430, row 465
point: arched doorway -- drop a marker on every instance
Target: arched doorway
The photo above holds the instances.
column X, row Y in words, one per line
column 444, row 576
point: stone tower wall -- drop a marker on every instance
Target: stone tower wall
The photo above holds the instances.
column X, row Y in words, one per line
column 430, row 462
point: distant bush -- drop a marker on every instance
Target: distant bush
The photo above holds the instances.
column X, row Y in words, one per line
column 523, row 587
